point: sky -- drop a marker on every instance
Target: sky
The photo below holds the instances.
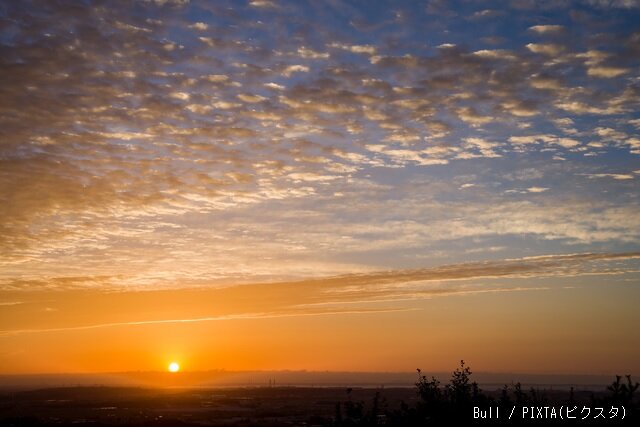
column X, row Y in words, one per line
column 326, row 185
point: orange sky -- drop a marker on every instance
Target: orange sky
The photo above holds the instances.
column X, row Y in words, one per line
column 501, row 317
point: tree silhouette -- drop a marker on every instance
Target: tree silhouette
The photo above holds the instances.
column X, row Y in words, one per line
column 459, row 388
column 623, row 393
column 453, row 403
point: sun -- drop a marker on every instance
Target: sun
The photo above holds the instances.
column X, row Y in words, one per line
column 174, row 367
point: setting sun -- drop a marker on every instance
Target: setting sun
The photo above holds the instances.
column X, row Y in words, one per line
column 174, row 367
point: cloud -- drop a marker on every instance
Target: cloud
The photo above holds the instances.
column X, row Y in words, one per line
column 201, row 26
column 547, row 139
column 307, row 53
column 484, row 147
column 152, row 129
column 225, row 105
column 578, row 107
column 521, row 108
column 545, row 82
column 290, row 69
column 263, row 4
column 470, row 115
column 243, row 316
column 549, row 49
column 547, row 29
column 486, row 13
column 403, row 156
column 610, row 134
column 607, row 72
column 366, row 49
column 362, row 294
column 495, row 54
column 274, row 86
column 217, row 78
column 537, row 189
column 251, row 98
column 614, row 4
column 617, row 176
column 199, row 109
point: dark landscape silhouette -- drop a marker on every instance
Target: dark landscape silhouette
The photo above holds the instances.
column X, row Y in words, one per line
column 428, row 402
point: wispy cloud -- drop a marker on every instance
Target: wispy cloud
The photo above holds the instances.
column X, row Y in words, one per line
column 365, row 293
column 244, row 316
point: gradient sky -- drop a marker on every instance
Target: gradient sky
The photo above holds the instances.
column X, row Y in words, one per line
column 327, row 185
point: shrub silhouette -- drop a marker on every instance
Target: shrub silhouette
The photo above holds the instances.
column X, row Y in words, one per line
column 459, row 389
column 453, row 402
column 623, row 393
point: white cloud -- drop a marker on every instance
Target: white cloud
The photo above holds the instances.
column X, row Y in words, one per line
column 201, row 26
column 616, row 176
column 289, row 70
column 547, row 29
column 225, row 105
column 307, row 53
column 251, row 98
column 366, row 49
column 607, row 72
column 180, row 95
column 217, row 78
column 262, row 3
column 545, row 82
column 274, row 86
column 549, row 49
column 537, row 189
column 495, row 54
column 198, row 108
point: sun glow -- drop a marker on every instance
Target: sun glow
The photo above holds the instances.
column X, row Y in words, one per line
column 174, row 367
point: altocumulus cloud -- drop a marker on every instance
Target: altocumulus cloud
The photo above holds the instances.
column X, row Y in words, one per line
column 189, row 143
